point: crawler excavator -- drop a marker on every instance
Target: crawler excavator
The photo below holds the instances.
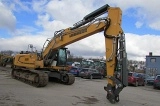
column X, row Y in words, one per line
column 35, row 68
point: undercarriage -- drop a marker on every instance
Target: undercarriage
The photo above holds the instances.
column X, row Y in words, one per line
column 39, row 78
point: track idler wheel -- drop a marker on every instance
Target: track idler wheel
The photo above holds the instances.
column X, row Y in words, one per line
column 68, row 79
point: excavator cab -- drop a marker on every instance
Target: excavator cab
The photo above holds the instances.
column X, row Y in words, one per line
column 56, row 58
column 62, row 57
column 59, row 58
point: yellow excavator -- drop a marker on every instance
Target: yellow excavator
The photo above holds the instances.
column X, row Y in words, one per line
column 35, row 68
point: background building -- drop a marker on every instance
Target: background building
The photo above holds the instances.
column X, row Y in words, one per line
column 152, row 65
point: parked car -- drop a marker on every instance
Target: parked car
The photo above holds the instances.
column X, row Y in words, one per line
column 150, row 80
column 156, row 83
column 75, row 71
column 90, row 73
column 135, row 79
column 76, row 64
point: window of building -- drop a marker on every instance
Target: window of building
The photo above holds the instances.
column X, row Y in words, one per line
column 153, row 60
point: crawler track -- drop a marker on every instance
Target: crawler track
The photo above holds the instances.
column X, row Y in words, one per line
column 33, row 77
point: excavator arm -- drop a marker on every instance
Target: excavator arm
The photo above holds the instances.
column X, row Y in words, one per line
column 114, row 41
column 116, row 57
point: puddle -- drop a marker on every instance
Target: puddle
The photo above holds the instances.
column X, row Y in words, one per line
column 86, row 100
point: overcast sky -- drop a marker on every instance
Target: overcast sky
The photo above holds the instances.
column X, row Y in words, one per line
column 24, row 22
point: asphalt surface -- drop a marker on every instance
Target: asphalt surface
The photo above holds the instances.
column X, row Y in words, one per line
column 84, row 92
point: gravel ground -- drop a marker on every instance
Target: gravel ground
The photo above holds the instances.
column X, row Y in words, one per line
column 84, row 92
